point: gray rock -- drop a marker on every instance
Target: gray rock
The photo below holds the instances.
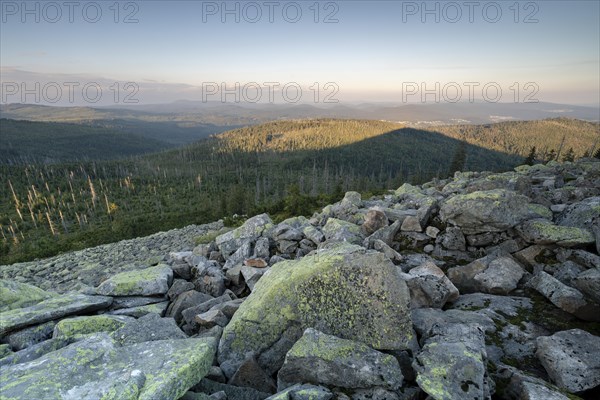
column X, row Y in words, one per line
column 566, row 272
column 261, row 248
column 453, row 239
column 519, row 385
column 184, row 301
column 97, row 366
column 148, row 328
column 411, row 224
column 483, row 239
column 19, row 295
column 588, row 282
column 252, row 275
column 233, row 392
column 286, row 232
column 542, row 231
column 390, row 253
column 287, row 246
column 135, row 301
column 456, row 322
column 35, row 351
column 250, row 374
column 429, row 287
column 596, row 230
column 564, row 297
column 323, row 359
column 30, row 336
column 159, row 309
column 491, row 274
column 209, row 278
column 385, row 234
column 211, row 318
column 304, row 392
column 432, row 232
column 320, row 290
column 451, row 365
column 336, row 230
column 501, row 276
column 374, row 220
column 76, row 327
column 189, row 314
column 312, row 233
column 183, row 270
column 585, row 258
column 584, row 214
column 251, row 230
column 375, row 394
column 53, row 308
column 571, row 358
column 485, row 211
column 145, row 282
column 179, row 286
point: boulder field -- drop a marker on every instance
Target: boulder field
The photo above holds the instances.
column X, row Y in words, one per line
column 482, row 286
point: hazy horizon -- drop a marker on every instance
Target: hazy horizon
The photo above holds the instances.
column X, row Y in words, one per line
column 326, row 52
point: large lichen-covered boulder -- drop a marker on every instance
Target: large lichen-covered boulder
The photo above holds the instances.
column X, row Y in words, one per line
column 52, row 308
column 18, row 295
column 344, row 290
column 144, row 282
column 328, row 360
column 97, row 368
column 485, row 211
column 543, row 231
column 250, row 231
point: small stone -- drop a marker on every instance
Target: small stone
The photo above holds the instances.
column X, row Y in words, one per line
column 432, row 231
column 211, row 318
column 411, row 224
column 374, row 220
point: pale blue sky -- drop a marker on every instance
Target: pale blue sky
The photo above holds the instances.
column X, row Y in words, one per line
column 369, row 53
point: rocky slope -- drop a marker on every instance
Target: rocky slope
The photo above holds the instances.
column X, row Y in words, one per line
column 477, row 287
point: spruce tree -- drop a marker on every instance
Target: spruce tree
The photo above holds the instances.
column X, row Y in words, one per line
column 530, row 160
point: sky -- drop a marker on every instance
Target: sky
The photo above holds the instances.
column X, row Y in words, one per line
column 305, row 51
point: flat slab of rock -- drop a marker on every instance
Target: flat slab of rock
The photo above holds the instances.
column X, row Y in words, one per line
column 144, row 282
column 485, row 211
column 18, row 295
column 71, row 328
column 327, row 360
column 148, row 328
column 571, row 358
column 344, row 290
column 564, row 297
column 97, row 367
column 53, row 308
column 542, row 231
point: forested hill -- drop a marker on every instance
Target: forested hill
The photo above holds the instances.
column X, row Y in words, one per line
column 284, row 168
column 24, row 142
column 518, row 137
